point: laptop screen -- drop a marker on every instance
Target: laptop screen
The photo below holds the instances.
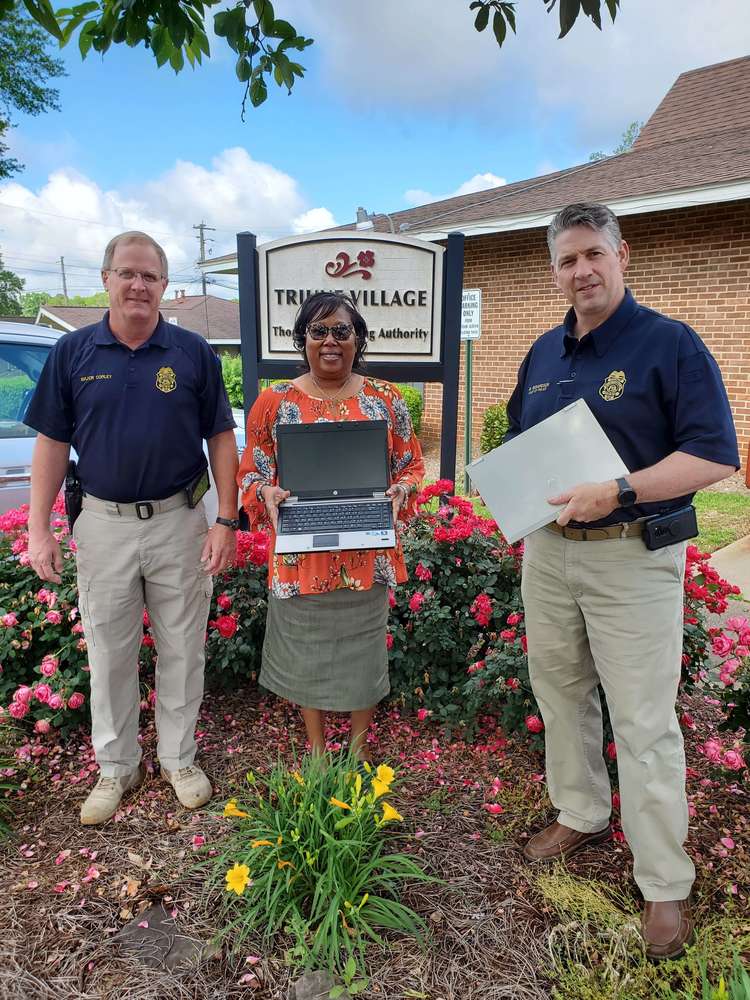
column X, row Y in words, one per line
column 342, row 459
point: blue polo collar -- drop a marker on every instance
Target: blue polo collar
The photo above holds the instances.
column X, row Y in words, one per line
column 602, row 337
column 161, row 337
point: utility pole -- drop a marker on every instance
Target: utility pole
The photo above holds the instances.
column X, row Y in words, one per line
column 201, row 237
column 65, row 284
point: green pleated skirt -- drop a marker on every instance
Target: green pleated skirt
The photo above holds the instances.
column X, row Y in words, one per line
column 328, row 651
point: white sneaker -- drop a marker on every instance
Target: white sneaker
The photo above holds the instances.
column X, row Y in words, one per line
column 104, row 798
column 190, row 784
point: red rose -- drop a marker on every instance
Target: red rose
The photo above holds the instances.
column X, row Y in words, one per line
column 224, row 601
column 422, row 573
column 534, row 724
column 524, row 644
column 226, row 626
column 416, row 602
column 612, row 750
column 388, row 640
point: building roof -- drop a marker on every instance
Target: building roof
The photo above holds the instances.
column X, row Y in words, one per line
column 212, row 317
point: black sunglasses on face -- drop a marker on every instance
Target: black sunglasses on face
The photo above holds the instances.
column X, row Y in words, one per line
column 319, row 331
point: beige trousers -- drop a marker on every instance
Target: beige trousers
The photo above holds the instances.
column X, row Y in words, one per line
column 123, row 564
column 610, row 612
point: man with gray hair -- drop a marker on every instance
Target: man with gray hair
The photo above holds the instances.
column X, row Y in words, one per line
column 603, row 596
column 136, row 397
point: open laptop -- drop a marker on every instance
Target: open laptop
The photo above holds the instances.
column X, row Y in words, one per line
column 337, row 474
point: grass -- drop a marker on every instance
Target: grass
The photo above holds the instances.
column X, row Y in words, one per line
column 723, row 518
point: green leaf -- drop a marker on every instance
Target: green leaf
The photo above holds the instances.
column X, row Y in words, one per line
column 569, row 11
column 510, row 15
column 499, row 27
column 483, row 16
column 282, row 29
column 612, row 7
column 85, row 40
column 243, row 69
column 335, row 992
column 176, row 60
column 357, row 987
column 41, row 11
column 592, row 9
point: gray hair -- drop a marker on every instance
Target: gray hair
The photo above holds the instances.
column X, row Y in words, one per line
column 585, row 213
column 134, row 236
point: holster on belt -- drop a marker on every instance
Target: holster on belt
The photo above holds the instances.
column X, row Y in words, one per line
column 73, row 495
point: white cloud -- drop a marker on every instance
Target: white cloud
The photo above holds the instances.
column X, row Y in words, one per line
column 70, row 215
column 410, row 56
column 479, row 182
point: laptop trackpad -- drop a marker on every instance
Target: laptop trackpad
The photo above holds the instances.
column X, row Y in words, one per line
column 325, row 541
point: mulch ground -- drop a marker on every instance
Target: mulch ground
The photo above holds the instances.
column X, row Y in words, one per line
column 69, row 889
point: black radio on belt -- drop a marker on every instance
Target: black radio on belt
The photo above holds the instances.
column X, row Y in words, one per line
column 73, row 495
column 197, row 489
column 667, row 529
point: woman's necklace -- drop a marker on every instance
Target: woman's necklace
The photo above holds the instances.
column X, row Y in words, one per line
column 336, row 396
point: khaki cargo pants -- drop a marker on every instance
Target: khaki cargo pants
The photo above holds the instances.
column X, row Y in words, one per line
column 123, row 564
column 610, row 612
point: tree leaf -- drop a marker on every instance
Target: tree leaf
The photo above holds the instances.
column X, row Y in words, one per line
column 569, row 11
column 499, row 27
column 510, row 15
column 243, row 69
column 592, row 9
column 176, row 60
column 41, row 11
column 612, row 6
column 483, row 16
column 258, row 91
column 282, row 29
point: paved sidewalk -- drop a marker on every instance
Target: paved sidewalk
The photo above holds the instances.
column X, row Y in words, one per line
column 733, row 562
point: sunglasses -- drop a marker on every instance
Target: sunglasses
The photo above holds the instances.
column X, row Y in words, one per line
column 319, row 331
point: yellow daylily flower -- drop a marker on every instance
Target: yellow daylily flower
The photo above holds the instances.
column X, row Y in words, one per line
column 379, row 788
column 297, row 777
column 260, row 843
column 339, row 803
column 385, row 774
column 390, row 813
column 364, row 900
column 367, row 766
column 238, row 878
column 358, row 784
column 284, row 864
column 230, row 809
column 279, row 840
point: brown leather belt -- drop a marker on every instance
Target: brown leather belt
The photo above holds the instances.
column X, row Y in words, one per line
column 626, row 529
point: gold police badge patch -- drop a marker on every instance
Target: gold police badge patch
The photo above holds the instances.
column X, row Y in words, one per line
column 166, row 380
column 613, row 386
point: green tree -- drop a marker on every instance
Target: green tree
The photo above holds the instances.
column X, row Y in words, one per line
column 11, row 287
column 176, row 31
column 629, row 136
column 25, row 68
column 31, row 302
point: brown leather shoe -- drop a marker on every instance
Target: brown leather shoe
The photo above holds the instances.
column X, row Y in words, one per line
column 667, row 927
column 558, row 841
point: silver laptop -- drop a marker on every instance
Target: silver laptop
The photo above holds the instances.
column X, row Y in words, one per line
column 337, row 474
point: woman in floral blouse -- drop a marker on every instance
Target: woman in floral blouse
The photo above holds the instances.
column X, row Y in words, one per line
column 327, row 611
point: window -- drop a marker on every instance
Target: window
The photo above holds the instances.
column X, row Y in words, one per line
column 20, row 368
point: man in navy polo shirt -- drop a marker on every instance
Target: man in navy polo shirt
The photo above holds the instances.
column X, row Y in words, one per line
column 136, row 397
column 600, row 607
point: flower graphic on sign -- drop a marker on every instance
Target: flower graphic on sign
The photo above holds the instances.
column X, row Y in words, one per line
column 343, row 266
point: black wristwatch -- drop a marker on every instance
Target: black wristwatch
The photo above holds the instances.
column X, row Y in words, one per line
column 626, row 496
column 229, row 522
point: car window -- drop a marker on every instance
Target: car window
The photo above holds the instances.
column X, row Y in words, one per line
column 20, row 368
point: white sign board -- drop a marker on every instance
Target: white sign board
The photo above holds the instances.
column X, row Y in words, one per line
column 395, row 281
column 471, row 314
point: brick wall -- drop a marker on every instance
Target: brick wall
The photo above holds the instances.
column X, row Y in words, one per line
column 692, row 264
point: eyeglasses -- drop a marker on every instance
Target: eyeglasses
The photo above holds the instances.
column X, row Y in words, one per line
column 319, row 331
column 128, row 274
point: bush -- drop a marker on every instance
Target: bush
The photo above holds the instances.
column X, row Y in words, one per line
column 13, row 391
column 415, row 403
column 231, row 370
column 494, row 427
column 309, row 853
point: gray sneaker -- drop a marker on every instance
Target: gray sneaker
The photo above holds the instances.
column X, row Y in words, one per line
column 190, row 784
column 104, row 798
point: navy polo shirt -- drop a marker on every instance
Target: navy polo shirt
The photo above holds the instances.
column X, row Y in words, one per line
column 136, row 418
column 650, row 382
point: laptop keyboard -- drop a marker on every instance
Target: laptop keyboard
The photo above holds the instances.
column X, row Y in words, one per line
column 302, row 520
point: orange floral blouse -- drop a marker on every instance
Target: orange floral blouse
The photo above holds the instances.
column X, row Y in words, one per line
column 321, row 572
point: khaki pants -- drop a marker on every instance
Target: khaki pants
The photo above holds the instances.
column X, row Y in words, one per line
column 610, row 612
column 123, row 564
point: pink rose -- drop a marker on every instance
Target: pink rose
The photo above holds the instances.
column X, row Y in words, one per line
column 514, row 619
column 224, row 601
column 23, row 694
column 41, row 595
column 686, row 721
column 10, row 619
column 737, row 624
column 226, row 626
column 388, row 640
column 55, row 701
column 513, row 683
column 146, row 619
column 524, row 644
column 422, row 573
column 534, row 724
column 612, row 750
column 391, row 599
column 722, row 645
column 42, row 726
column 494, row 808
column 712, row 749
column 49, row 666
column 416, row 602
column 18, row 709
column 76, row 700
column 77, row 628
column 423, row 713
column 734, row 760
column 508, row 634
column 53, row 617
column 42, row 693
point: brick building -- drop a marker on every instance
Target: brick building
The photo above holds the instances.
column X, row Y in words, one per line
column 682, row 194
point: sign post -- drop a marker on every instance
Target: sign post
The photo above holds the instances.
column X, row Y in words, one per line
column 471, row 329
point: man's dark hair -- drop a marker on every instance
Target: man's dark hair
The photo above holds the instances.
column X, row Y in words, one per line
column 585, row 213
column 320, row 306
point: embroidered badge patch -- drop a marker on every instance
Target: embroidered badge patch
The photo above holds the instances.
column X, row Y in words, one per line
column 166, row 380
column 613, row 386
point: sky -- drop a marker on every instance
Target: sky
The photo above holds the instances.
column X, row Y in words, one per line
column 403, row 103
